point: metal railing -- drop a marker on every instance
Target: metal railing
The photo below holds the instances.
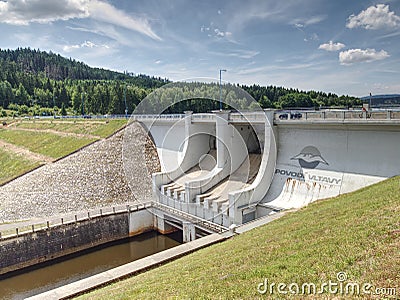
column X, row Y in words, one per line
column 158, row 117
column 17, row 230
column 247, row 117
column 285, row 116
column 203, row 117
column 191, row 218
column 339, row 115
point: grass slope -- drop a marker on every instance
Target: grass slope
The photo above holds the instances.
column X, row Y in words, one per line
column 49, row 144
column 13, row 165
column 357, row 233
column 80, row 126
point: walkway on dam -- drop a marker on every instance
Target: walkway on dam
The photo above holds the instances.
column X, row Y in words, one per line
column 92, row 177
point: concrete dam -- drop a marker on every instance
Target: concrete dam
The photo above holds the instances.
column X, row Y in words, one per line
column 219, row 172
column 237, row 167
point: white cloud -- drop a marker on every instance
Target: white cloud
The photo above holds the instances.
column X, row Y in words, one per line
column 219, row 32
column 213, row 31
column 109, row 31
column 85, row 44
column 102, row 11
column 270, row 68
column 312, row 37
column 24, row 12
column 314, row 20
column 374, row 17
column 358, row 55
column 245, row 54
column 331, row 46
column 304, row 22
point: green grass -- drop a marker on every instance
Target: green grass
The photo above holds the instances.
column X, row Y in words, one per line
column 101, row 128
column 48, row 144
column 357, row 233
column 109, row 128
column 13, row 165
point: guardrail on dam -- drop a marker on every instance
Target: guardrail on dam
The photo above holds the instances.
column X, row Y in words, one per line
column 287, row 158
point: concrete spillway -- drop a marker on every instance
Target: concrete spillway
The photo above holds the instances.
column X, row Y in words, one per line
column 264, row 163
column 316, row 162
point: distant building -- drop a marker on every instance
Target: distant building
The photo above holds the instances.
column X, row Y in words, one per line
column 382, row 100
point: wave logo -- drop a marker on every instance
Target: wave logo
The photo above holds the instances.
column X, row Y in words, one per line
column 309, row 158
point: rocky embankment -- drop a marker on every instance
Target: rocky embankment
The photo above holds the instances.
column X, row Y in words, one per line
column 92, row 177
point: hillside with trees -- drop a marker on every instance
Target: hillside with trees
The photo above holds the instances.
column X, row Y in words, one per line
column 35, row 82
column 280, row 97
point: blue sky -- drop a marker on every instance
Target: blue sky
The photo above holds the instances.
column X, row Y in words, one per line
column 345, row 47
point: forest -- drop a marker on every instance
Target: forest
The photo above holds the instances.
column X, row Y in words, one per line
column 34, row 82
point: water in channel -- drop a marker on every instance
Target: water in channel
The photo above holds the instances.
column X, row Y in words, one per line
column 87, row 263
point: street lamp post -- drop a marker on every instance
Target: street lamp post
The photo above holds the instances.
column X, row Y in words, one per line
column 126, row 107
column 54, row 105
column 220, row 88
column 370, row 101
column 83, row 104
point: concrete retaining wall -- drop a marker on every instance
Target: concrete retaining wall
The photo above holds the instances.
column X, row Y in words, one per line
column 169, row 139
column 30, row 248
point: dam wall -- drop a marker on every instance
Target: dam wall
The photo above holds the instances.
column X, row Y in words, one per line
column 168, row 135
column 306, row 156
column 316, row 162
column 194, row 141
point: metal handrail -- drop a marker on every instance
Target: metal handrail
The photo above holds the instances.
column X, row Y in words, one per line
column 46, row 224
column 191, row 218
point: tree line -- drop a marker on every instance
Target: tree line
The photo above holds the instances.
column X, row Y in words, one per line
column 37, row 82
column 280, row 97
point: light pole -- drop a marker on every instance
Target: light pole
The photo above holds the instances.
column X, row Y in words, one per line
column 126, row 107
column 370, row 101
column 54, row 105
column 220, row 88
column 83, row 104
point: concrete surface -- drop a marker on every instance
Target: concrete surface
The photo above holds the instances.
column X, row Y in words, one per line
column 321, row 155
column 322, row 161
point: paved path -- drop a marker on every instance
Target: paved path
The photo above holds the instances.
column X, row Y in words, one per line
column 25, row 152
column 60, row 133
